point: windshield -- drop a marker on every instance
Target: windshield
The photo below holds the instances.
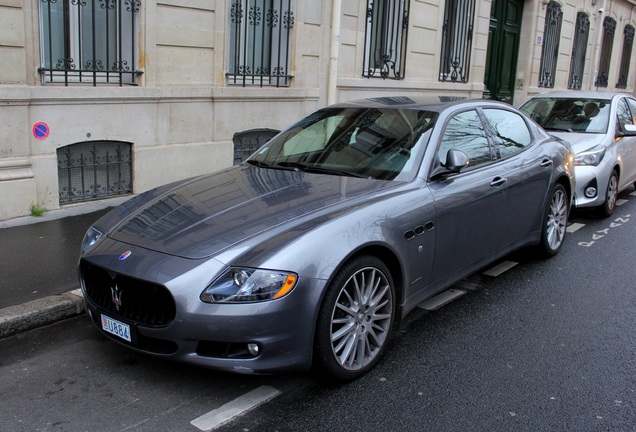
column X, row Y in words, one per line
column 376, row 143
column 569, row 114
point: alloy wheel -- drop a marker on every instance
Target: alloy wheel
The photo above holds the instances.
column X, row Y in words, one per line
column 361, row 318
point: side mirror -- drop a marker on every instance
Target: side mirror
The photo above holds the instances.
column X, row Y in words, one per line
column 456, row 160
column 630, row 129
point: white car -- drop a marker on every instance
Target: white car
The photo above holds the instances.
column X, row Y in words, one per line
column 600, row 127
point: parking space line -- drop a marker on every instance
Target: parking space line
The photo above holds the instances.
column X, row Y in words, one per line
column 574, row 227
column 441, row 299
column 235, row 408
column 620, row 202
column 633, row 193
column 500, row 268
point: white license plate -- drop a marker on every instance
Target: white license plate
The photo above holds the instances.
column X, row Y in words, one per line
column 117, row 328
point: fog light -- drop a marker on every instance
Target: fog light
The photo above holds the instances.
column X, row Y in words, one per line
column 590, row 192
column 253, row 349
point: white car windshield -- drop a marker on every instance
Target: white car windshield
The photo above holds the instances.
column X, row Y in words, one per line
column 362, row 142
column 569, row 114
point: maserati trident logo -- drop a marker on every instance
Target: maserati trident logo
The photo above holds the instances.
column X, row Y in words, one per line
column 115, row 296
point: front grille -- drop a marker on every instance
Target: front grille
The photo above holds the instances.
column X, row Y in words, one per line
column 139, row 301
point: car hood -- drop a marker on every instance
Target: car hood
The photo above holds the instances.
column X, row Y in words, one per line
column 580, row 142
column 211, row 213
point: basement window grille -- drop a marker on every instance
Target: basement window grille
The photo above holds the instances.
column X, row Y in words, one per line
column 94, row 170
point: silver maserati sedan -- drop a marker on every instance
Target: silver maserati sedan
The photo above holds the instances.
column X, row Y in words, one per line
column 313, row 250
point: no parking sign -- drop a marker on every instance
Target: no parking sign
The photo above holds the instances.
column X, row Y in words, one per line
column 41, row 130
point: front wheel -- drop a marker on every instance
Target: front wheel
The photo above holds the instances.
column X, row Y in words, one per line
column 611, row 194
column 555, row 221
column 355, row 318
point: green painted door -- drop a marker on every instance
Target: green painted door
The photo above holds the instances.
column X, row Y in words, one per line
column 503, row 49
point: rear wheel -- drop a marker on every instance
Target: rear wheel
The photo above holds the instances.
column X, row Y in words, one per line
column 555, row 221
column 355, row 318
column 611, row 195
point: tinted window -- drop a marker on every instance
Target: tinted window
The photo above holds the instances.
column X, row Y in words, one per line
column 624, row 115
column 632, row 104
column 510, row 130
column 465, row 132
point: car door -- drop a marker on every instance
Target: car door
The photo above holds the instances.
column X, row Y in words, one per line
column 528, row 171
column 470, row 205
column 629, row 148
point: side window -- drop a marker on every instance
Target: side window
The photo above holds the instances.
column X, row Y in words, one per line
column 465, row 132
column 632, row 104
column 623, row 114
column 511, row 132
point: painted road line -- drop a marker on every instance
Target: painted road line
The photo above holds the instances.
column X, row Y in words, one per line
column 467, row 285
column 633, row 193
column 500, row 268
column 441, row 299
column 235, row 408
column 620, row 202
column 574, row 227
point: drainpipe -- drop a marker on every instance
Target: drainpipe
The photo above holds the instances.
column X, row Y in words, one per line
column 332, row 85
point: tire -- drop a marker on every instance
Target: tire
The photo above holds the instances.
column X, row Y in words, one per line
column 355, row 319
column 555, row 221
column 611, row 194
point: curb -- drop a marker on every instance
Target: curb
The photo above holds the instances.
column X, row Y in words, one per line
column 40, row 312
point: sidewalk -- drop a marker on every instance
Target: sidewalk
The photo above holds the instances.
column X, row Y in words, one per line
column 38, row 281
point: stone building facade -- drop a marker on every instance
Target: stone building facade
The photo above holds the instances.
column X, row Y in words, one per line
column 106, row 97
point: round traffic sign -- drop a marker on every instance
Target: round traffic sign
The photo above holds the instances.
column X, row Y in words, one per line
column 41, row 130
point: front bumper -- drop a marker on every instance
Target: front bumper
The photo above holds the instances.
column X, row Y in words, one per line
column 210, row 335
column 591, row 176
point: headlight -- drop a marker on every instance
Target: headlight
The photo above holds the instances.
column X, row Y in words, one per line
column 90, row 238
column 592, row 157
column 243, row 285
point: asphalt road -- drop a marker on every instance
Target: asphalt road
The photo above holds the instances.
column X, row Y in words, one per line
column 548, row 345
column 40, row 259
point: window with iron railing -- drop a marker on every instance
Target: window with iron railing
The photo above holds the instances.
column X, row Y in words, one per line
column 89, row 41
column 577, row 62
column 457, row 38
column 94, row 170
column 609, row 28
column 550, row 50
column 385, row 39
column 259, row 42
column 628, row 44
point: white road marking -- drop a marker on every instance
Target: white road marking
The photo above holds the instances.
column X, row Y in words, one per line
column 235, row 408
column 500, row 268
column 467, row 286
column 574, row 227
column 620, row 202
column 441, row 299
column 633, row 193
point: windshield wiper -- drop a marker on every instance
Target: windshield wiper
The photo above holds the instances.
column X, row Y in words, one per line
column 557, row 129
column 319, row 170
column 258, row 163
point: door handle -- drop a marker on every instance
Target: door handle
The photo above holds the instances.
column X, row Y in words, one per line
column 497, row 182
column 546, row 163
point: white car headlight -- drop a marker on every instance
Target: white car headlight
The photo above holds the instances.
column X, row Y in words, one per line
column 592, row 157
column 246, row 285
column 90, row 238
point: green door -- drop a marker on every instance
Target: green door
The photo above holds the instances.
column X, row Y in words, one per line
column 503, row 49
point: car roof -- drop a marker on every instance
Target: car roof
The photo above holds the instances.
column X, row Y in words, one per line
column 426, row 103
column 578, row 94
